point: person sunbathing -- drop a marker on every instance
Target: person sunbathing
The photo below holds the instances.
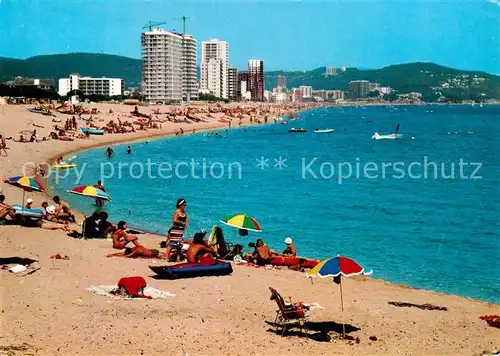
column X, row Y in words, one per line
column 48, row 225
column 141, row 251
column 198, row 248
column 49, row 215
column 122, row 239
column 63, row 210
column 6, row 209
column 262, row 254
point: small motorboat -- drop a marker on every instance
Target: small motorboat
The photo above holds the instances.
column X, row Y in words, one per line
column 324, row 130
column 191, row 270
column 92, row 131
column 293, row 129
column 377, row 136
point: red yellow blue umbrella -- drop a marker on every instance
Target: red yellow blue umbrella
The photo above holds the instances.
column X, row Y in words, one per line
column 91, row 192
column 25, row 182
column 337, row 267
column 243, row 222
column 334, row 267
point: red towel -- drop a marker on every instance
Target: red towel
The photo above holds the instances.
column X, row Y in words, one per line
column 134, row 286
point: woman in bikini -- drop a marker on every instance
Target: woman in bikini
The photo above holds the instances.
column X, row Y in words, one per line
column 179, row 224
column 121, row 239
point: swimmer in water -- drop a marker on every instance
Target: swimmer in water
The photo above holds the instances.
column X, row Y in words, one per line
column 109, row 152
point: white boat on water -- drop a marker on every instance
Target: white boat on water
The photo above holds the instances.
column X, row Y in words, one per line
column 324, row 130
column 377, row 136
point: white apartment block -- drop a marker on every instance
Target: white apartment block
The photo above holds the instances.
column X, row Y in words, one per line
column 168, row 66
column 189, row 69
column 91, row 86
column 215, row 67
column 306, row 91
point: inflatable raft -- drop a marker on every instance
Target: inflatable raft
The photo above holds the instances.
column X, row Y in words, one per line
column 92, row 131
column 191, row 270
column 293, row 261
column 64, row 165
column 293, row 129
column 26, row 212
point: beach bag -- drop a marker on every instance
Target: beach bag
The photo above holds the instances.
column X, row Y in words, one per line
column 132, row 287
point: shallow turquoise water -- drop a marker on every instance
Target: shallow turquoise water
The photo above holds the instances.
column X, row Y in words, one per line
column 435, row 233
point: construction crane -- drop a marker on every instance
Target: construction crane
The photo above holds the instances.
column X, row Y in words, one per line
column 183, row 19
column 152, row 24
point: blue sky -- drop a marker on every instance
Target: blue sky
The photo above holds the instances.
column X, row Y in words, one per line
column 301, row 34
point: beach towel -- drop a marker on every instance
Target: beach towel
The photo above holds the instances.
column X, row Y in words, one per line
column 107, row 291
column 420, row 306
column 161, row 256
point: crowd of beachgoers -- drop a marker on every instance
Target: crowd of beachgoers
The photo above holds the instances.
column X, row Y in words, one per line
column 72, row 117
column 83, row 116
column 42, row 301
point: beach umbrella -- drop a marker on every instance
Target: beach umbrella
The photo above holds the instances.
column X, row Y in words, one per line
column 26, row 183
column 242, row 222
column 91, row 192
column 337, row 267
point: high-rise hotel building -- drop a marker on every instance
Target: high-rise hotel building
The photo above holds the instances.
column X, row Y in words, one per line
column 168, row 66
column 215, row 67
column 256, row 79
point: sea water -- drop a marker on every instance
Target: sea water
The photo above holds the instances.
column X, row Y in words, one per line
column 422, row 210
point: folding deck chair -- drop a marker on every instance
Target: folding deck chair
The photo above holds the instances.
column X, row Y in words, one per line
column 288, row 314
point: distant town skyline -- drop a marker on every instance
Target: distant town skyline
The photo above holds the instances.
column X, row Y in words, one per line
column 286, row 35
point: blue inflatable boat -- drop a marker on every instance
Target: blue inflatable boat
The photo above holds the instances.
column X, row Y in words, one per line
column 92, row 131
column 29, row 213
column 191, row 270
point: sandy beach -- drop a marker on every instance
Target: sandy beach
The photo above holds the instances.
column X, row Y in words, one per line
column 49, row 312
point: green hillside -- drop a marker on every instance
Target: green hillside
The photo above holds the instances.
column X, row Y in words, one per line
column 62, row 65
column 405, row 78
